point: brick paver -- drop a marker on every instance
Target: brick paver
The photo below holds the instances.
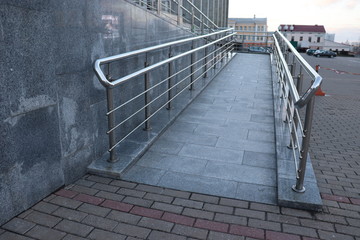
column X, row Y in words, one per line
column 85, row 210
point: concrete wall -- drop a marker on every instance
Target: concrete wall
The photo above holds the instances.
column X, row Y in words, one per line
column 52, row 107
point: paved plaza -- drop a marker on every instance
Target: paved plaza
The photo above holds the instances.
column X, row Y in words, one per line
column 103, row 208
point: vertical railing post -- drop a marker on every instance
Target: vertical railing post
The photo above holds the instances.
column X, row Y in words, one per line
column 299, row 81
column 206, row 62
column 293, row 66
column 202, row 24
column 170, row 73
column 295, row 117
column 192, row 67
column 214, row 54
column 299, row 186
column 111, row 123
column 192, row 20
column 158, row 7
column 179, row 12
column 222, row 50
column 147, row 96
column 111, row 117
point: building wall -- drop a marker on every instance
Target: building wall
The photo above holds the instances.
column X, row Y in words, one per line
column 250, row 34
column 304, row 41
column 52, row 106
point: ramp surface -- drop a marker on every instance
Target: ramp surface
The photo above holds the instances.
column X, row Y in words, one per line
column 224, row 143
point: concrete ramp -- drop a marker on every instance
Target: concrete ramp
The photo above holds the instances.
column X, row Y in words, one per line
column 224, row 143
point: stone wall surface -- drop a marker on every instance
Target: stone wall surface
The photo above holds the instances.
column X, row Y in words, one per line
column 52, row 106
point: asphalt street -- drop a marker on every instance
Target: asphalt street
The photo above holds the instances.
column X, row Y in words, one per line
column 335, row 83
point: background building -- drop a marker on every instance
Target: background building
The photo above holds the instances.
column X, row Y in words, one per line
column 314, row 37
column 304, row 36
column 250, row 31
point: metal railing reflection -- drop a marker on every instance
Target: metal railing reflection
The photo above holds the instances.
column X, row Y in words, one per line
column 291, row 66
column 181, row 12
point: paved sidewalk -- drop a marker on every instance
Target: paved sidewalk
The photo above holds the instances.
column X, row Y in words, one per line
column 223, row 144
column 104, row 208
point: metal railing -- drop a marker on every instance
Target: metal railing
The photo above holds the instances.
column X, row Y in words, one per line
column 201, row 54
column 183, row 12
column 292, row 66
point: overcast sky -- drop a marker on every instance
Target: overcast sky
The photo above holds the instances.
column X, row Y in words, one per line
column 341, row 17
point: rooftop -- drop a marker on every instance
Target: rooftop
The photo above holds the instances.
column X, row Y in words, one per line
column 248, row 20
column 304, row 28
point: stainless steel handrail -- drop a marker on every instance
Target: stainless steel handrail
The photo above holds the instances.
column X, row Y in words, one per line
column 219, row 43
column 310, row 92
column 292, row 101
column 105, row 82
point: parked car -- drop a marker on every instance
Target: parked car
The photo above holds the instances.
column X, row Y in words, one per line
column 257, row 49
column 310, row 51
column 324, row 53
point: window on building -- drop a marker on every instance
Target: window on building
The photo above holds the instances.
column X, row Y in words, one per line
column 318, row 39
column 301, row 38
column 245, row 28
column 292, row 38
column 241, row 28
column 309, row 39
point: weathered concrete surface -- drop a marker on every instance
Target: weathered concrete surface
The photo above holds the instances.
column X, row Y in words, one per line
column 52, row 107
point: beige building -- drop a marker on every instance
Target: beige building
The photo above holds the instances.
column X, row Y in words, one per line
column 250, row 31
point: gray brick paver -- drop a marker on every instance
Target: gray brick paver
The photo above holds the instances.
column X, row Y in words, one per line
column 75, row 228
column 73, row 237
column 190, row 231
column 218, row 208
column 123, row 217
column 43, row 219
column 167, row 207
column 100, row 222
column 98, row 234
column 131, row 230
column 93, row 209
column 150, row 223
column 18, row 225
column 156, row 235
column 70, row 214
column 44, row 233
column 137, row 201
column 45, row 207
column 158, row 198
column 198, row 213
column 13, row 236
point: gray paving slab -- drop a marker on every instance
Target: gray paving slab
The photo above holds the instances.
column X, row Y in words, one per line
column 200, row 184
column 223, row 143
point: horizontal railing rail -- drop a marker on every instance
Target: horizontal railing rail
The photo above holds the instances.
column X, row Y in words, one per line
column 107, row 83
column 291, row 67
column 203, row 54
